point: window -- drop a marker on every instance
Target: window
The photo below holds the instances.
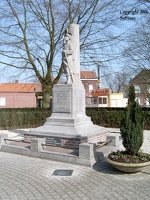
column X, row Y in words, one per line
column 137, row 99
column 90, row 87
column 2, row 101
column 148, row 89
column 137, row 88
column 102, row 100
column 148, row 100
column 94, row 100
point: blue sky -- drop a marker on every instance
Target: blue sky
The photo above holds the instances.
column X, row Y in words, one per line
column 124, row 25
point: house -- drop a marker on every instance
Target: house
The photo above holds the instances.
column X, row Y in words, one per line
column 19, row 95
column 141, row 84
column 90, row 82
column 22, row 95
column 100, row 97
column 105, row 98
column 117, row 100
column 96, row 97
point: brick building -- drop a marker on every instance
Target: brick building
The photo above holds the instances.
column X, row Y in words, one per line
column 18, row 95
column 104, row 98
column 90, row 82
column 96, row 97
column 141, row 83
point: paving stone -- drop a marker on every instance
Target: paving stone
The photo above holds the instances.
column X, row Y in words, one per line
column 26, row 178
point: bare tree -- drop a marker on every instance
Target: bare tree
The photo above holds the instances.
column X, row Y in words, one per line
column 137, row 53
column 118, row 81
column 32, row 32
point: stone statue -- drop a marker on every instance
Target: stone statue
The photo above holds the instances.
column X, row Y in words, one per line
column 71, row 55
column 67, row 58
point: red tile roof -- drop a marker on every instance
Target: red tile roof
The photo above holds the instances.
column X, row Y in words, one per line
column 88, row 75
column 20, row 87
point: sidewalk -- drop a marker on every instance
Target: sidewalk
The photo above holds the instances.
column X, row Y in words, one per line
column 28, row 178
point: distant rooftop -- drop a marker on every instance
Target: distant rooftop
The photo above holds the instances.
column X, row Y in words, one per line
column 88, row 75
column 20, row 87
column 142, row 77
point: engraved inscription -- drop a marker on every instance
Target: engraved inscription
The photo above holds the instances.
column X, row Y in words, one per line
column 62, row 101
column 53, row 141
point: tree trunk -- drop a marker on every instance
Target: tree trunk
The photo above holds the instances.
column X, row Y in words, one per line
column 47, row 93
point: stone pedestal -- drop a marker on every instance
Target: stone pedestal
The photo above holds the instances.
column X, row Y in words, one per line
column 68, row 125
column 3, row 136
column 36, row 144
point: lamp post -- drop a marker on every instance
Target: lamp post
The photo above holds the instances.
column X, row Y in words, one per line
column 98, row 75
column 98, row 70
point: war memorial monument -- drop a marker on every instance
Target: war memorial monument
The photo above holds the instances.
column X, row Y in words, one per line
column 68, row 126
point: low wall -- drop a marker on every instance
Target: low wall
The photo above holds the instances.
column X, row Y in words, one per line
column 87, row 154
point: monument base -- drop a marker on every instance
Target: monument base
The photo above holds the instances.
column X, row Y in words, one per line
column 68, row 125
column 68, row 136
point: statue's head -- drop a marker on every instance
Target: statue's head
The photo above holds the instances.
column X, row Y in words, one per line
column 67, row 37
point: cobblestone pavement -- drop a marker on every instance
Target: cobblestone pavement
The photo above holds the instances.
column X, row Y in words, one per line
column 23, row 178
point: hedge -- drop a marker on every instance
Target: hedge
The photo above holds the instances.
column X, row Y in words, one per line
column 15, row 118
column 107, row 117
column 111, row 117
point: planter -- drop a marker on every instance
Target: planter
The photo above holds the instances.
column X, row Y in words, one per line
column 128, row 167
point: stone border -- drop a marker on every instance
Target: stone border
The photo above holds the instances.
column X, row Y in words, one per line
column 87, row 151
column 87, row 154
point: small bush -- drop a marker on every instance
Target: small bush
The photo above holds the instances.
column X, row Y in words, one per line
column 131, row 125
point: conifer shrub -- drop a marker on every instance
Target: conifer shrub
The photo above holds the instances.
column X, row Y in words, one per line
column 131, row 126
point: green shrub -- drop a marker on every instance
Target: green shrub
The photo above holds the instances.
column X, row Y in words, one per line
column 131, row 126
column 108, row 117
column 12, row 118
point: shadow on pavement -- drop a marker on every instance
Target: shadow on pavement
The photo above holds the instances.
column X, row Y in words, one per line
column 106, row 168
